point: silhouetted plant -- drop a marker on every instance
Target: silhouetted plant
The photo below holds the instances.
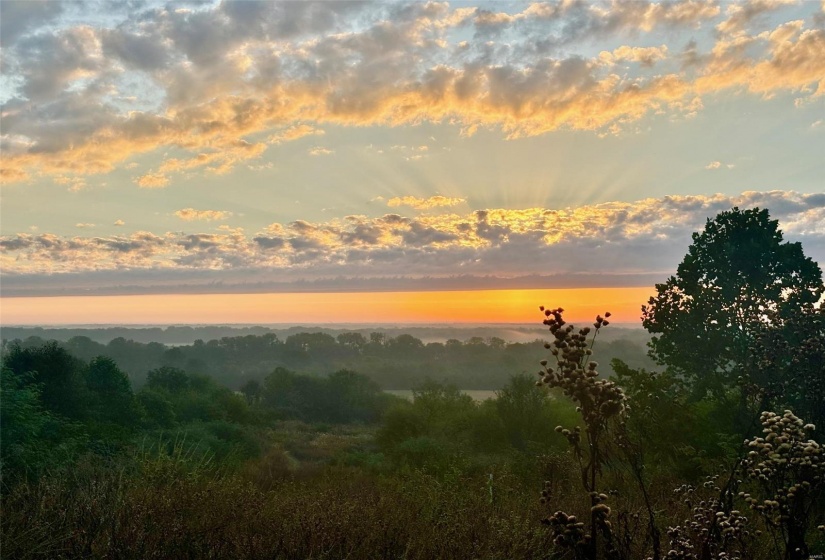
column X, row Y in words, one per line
column 788, row 468
column 602, row 405
column 713, row 530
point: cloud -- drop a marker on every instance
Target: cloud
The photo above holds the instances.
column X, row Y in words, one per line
column 320, row 151
column 20, row 17
column 190, row 214
column 719, row 165
column 740, row 14
column 631, row 240
column 293, row 133
column 152, row 181
column 646, row 56
column 82, row 225
column 424, row 203
column 88, row 97
column 119, row 223
column 74, row 184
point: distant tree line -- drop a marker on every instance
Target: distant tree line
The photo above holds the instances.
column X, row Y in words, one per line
column 394, row 362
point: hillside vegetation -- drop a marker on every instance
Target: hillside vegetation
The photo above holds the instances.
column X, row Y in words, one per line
column 249, row 447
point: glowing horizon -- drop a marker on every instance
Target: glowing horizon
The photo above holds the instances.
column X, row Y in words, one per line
column 476, row 306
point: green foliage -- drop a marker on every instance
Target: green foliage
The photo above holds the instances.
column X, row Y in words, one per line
column 529, row 416
column 157, row 410
column 111, row 393
column 401, row 422
column 31, row 437
column 252, row 390
column 424, row 453
column 738, row 275
column 59, row 374
column 167, row 378
column 787, row 365
column 342, row 397
column 397, row 362
column 459, row 431
column 677, row 435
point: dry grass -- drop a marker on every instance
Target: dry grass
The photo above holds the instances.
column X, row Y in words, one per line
column 160, row 512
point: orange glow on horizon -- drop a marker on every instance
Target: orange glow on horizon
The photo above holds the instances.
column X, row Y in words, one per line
column 479, row 306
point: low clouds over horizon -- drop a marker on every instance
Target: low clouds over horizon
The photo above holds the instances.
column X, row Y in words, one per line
column 622, row 243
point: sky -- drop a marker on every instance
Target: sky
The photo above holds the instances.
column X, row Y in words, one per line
column 393, row 152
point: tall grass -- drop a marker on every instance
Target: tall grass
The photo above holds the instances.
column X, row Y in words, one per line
column 161, row 510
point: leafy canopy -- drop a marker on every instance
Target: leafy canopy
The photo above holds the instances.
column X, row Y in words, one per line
column 737, row 279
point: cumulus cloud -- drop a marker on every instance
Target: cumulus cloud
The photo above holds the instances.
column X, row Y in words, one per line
column 83, row 225
column 152, row 181
column 740, row 14
column 719, row 165
column 631, row 240
column 647, row 56
column 293, row 133
column 87, row 97
column 119, row 223
column 424, row 203
column 20, row 17
column 321, row 151
column 190, row 214
column 73, row 184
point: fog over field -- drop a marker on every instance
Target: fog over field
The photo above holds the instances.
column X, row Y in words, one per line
column 187, row 334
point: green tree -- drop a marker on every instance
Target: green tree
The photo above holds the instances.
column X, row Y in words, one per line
column 157, row 410
column 737, row 279
column 354, row 340
column 404, row 346
column 524, row 411
column 59, row 374
column 355, row 397
column 110, row 392
column 252, row 391
column 168, row 378
column 24, row 426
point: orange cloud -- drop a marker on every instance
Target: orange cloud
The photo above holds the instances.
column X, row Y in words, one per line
column 238, row 84
column 424, row 203
column 643, row 55
column 293, row 133
column 190, row 214
column 152, row 181
column 482, row 242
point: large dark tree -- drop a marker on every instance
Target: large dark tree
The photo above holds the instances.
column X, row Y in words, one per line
column 738, row 279
column 58, row 373
column 110, row 392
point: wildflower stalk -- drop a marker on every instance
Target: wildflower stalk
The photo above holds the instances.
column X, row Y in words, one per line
column 601, row 404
